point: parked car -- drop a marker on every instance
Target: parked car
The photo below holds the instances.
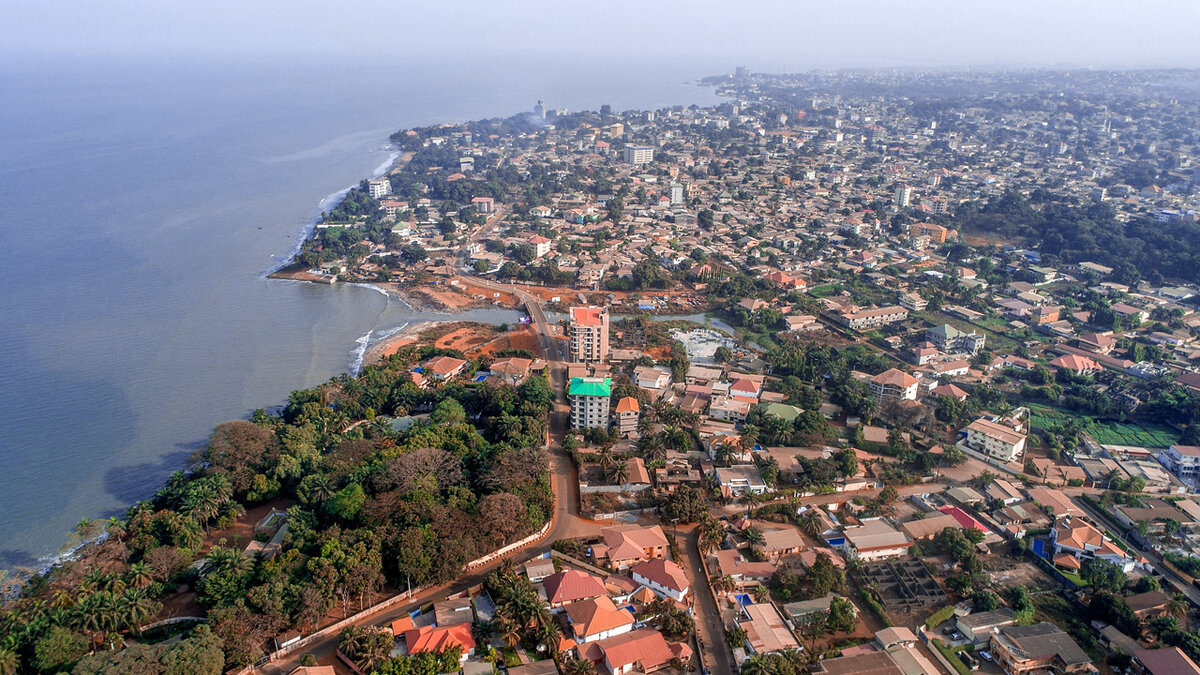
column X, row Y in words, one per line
column 985, row 655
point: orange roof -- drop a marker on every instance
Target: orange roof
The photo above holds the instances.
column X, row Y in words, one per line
column 646, row 647
column 596, row 615
column 586, row 316
column 630, row 541
column 663, row 572
column 1075, row 362
column 444, row 365
column 1064, row 560
column 628, row 404
column 572, row 585
column 437, row 639
column 402, row 624
column 1077, row 534
column 895, row 377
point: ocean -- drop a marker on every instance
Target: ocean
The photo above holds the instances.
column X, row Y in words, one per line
column 141, row 208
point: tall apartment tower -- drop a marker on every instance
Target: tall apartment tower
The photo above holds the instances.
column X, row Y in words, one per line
column 539, row 110
column 639, row 154
column 903, row 195
column 589, row 334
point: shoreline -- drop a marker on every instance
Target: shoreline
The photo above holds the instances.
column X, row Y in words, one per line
column 389, row 345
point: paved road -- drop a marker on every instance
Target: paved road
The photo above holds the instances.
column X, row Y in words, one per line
column 717, row 658
column 1189, row 590
column 566, row 520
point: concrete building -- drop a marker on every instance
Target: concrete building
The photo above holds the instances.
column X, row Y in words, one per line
column 590, row 402
column 1184, row 462
column 893, row 384
column 740, row 479
column 379, row 187
column 903, row 195
column 872, row 318
column 627, row 413
column 980, row 626
column 639, row 154
column 541, row 245
column 663, row 577
column 1040, row 647
column 951, row 340
column 589, row 334
column 874, row 540
column 995, row 440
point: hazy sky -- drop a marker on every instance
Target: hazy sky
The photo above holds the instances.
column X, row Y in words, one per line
column 767, row 35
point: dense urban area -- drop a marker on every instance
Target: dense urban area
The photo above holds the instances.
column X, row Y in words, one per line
column 878, row 372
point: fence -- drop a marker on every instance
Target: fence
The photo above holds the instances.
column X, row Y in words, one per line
column 500, row 552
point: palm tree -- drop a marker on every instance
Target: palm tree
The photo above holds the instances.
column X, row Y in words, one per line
column 620, row 472
column 810, row 522
column 605, row 459
column 510, row 632
column 751, row 499
column 1178, row 606
column 728, row 585
column 575, row 667
column 10, row 662
column 140, row 575
column 138, row 609
column 550, row 635
column 754, row 535
column 652, row 447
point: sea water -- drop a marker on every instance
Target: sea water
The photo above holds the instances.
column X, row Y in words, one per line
column 141, row 207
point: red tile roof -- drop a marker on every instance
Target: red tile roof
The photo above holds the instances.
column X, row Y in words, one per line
column 436, row 639
column 572, row 585
column 663, row 572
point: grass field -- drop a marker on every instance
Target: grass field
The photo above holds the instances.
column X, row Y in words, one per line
column 824, row 290
column 1106, row 433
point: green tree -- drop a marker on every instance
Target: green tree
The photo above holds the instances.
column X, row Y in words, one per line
column 58, row 648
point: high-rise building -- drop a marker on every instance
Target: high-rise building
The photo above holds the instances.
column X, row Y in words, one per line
column 639, row 154
column 903, row 196
column 676, row 194
column 379, row 187
column 590, row 400
column 539, row 110
column 589, row 334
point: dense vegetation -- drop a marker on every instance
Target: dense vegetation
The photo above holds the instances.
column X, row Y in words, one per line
column 369, row 507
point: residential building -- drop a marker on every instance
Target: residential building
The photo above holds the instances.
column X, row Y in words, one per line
column 1040, row 647
column 1076, row 540
column 379, row 187
column 440, row 638
column 766, row 631
column 951, row 340
column 588, row 331
column 875, row 539
column 628, row 410
column 541, row 246
column 913, row 302
column 590, row 400
column 730, row 563
column 639, row 154
column 627, row 545
column 894, row 384
column 571, row 585
column 1163, row 661
column 903, row 195
column 979, row 627
column 995, row 440
column 597, row 619
column 663, row 577
column 1184, row 462
column 729, row 409
column 865, row 319
column 739, row 479
column 444, row 367
column 644, row 651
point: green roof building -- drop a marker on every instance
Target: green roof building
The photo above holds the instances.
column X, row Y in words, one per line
column 590, row 401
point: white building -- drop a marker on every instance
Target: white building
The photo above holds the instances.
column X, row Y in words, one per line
column 663, row 577
column 676, row 194
column 541, row 245
column 995, row 440
column 639, row 154
column 740, row 479
column 875, row 539
column 903, row 196
column 894, row 384
column 590, row 401
column 379, row 187
column 1184, row 462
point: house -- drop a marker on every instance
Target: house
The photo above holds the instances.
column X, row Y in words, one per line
column 539, row 568
column 444, row 367
column 730, row 409
column 949, row 390
column 627, row 412
column 979, row 627
column 1184, row 462
column 1149, row 604
column 644, row 651
column 514, row 370
column 627, row 545
column 730, row 563
column 453, row 611
column 1075, row 540
column 800, row 611
column 951, row 340
column 779, row 542
column 894, row 384
column 766, row 630
column 875, row 539
column 1040, row 647
column 1164, row 661
column 440, row 638
column 913, row 302
column 1099, row 343
column 1004, row 492
column 871, row 318
column 739, row 479
column 663, row 577
column 571, row 585
column 597, row 619
column 929, row 526
column 651, row 377
column 1080, row 365
column 1054, row 502
column 896, row 636
column 541, row 245
column 994, row 440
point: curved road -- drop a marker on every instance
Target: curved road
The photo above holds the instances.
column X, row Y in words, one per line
column 565, row 523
